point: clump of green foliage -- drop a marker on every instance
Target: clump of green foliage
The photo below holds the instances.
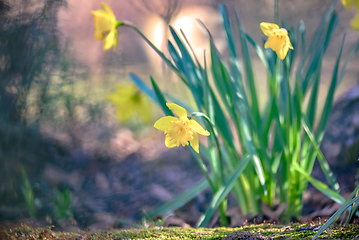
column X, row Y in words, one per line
column 278, row 146
column 63, row 204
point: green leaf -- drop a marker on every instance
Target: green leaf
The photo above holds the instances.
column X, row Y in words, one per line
column 141, row 85
column 323, row 163
column 180, row 200
column 222, row 193
column 161, row 98
column 330, row 97
column 336, row 197
column 335, row 216
column 250, row 81
column 160, row 53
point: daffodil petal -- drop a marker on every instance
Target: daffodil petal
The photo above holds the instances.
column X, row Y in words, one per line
column 195, row 143
column 198, row 128
column 108, row 10
column 355, row 23
column 180, row 111
column 110, row 40
column 101, row 13
column 268, row 28
column 347, row 3
column 282, row 53
column 170, row 143
column 357, row 3
column 289, row 43
column 102, row 26
column 145, row 111
column 164, row 123
column 272, row 43
column 124, row 112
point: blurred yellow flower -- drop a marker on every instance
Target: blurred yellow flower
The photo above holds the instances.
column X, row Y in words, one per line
column 130, row 101
column 278, row 39
column 180, row 130
column 355, row 23
column 105, row 22
column 349, row 3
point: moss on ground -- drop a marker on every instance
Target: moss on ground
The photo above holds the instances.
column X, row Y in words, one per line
column 260, row 231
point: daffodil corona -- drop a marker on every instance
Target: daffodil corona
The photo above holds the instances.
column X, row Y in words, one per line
column 278, row 39
column 105, row 22
column 181, row 130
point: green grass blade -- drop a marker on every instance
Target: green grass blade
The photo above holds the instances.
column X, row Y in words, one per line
column 323, row 163
column 312, row 104
column 321, row 27
column 330, row 97
column 348, row 61
column 250, row 81
column 143, row 87
column 227, row 26
column 222, row 193
column 190, row 70
column 161, row 98
column 160, row 53
column 181, row 199
column 175, row 57
column 259, row 51
column 335, row 216
column 336, row 197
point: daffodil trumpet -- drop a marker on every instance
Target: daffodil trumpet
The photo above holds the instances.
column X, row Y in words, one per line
column 278, row 39
column 181, row 130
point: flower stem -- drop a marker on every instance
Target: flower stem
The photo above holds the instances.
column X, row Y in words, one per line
column 223, row 206
column 276, row 11
column 215, row 134
column 159, row 52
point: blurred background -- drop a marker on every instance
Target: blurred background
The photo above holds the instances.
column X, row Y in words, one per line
column 65, row 158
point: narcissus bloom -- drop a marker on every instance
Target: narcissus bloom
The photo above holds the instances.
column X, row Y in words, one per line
column 129, row 102
column 181, row 130
column 105, row 22
column 349, row 3
column 278, row 39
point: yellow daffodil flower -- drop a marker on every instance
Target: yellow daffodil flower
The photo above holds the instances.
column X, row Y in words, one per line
column 129, row 101
column 278, row 39
column 349, row 3
column 105, row 22
column 181, row 130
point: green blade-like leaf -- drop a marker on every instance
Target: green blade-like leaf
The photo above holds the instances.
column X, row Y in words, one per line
column 330, row 97
column 222, row 193
column 228, row 29
column 175, row 57
column 180, row 200
column 336, row 197
column 348, row 61
column 250, row 81
column 161, row 98
column 335, row 216
column 160, row 53
column 323, row 163
column 141, row 85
